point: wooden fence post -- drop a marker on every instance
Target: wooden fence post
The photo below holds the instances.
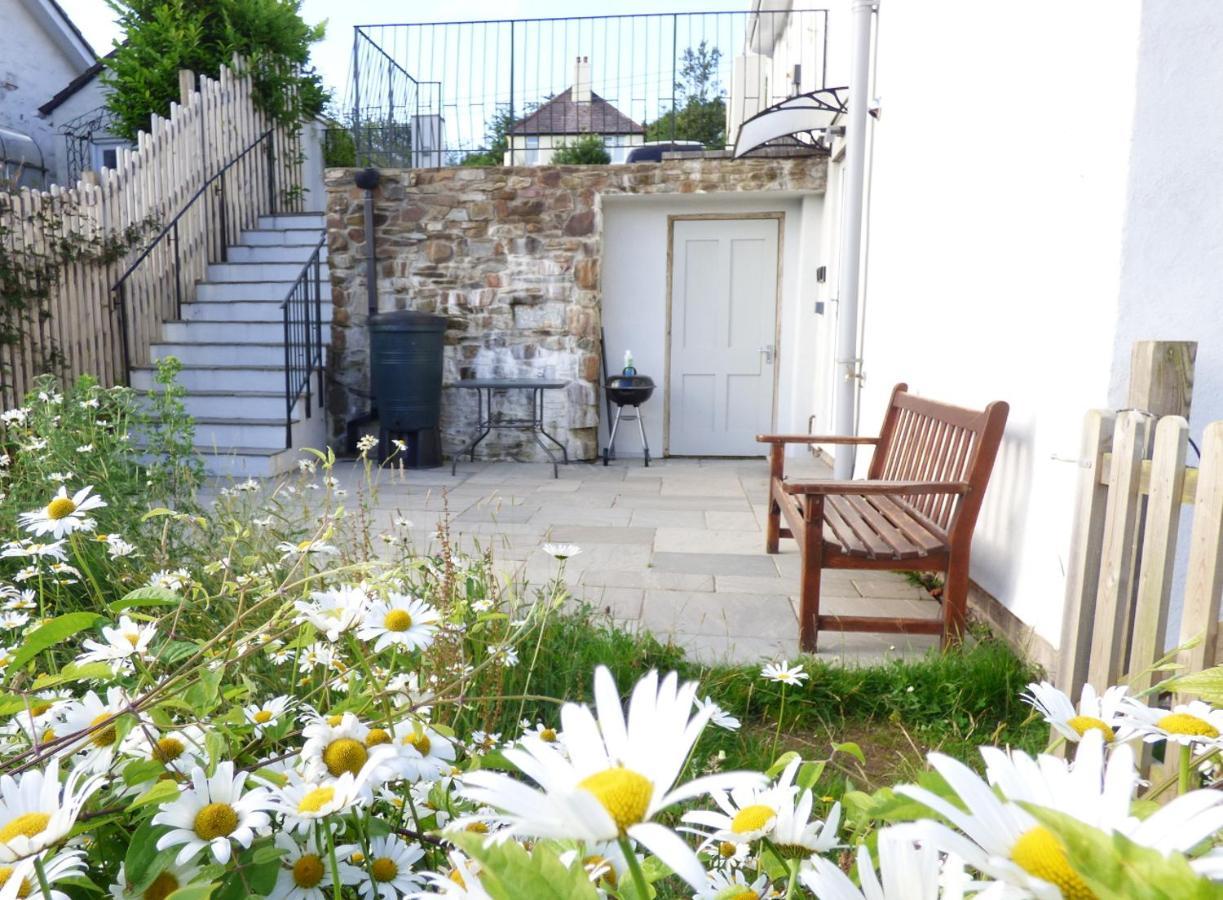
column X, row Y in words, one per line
column 1161, row 377
column 1086, row 541
column 1204, row 579
column 1119, row 552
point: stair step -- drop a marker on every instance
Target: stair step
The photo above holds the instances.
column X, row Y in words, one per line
column 263, row 237
column 251, row 290
column 219, row 378
column 241, row 311
column 201, row 353
column 236, row 331
column 272, row 253
column 316, row 220
column 241, row 404
column 287, row 272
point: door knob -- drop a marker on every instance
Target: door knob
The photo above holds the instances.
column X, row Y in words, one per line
column 768, row 351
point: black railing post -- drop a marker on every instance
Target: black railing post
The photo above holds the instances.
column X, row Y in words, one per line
column 318, row 317
column 308, row 334
column 224, row 221
column 178, row 281
column 125, row 352
column 356, row 93
column 289, row 398
column 674, row 67
column 271, row 155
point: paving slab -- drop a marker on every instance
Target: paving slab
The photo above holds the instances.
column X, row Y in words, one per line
column 715, row 564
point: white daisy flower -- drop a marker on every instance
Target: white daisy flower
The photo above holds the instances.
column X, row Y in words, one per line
column 90, row 714
column 748, row 812
column 909, row 869
column 168, row 880
column 37, row 812
column 334, row 747
column 620, row 772
column 335, row 611
column 400, row 621
column 171, row 580
column 303, row 803
column 561, row 551
column 265, row 715
column 213, row 814
column 63, row 514
column 605, row 863
column 389, row 869
column 504, row 654
column 124, row 640
column 307, row 548
column 795, row 835
column 1005, row 841
column 21, row 879
column 13, row 619
column 422, row 754
column 1187, row 724
column 462, row 882
column 1103, row 713
column 784, row 674
column 305, row 873
column 717, row 715
column 727, row 885
column 117, row 548
column 179, row 750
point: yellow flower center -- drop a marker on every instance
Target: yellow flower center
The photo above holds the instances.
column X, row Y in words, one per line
column 420, row 741
column 103, row 737
column 28, row 825
column 726, row 849
column 316, row 799
column 6, row 872
column 133, row 637
column 308, row 871
column 168, row 749
column 384, row 869
column 752, row 818
column 377, row 736
column 216, row 820
column 457, row 877
column 397, row 620
column 1039, row 852
column 334, row 721
column 60, row 508
column 263, row 716
column 623, row 793
column 1187, row 724
column 1084, row 724
column 37, row 709
column 602, row 865
column 162, row 887
column 477, row 827
column 357, row 858
column 745, row 894
column 547, row 735
column 344, row 755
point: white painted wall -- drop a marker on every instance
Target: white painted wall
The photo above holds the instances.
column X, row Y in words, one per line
column 35, row 64
column 996, row 223
column 634, row 288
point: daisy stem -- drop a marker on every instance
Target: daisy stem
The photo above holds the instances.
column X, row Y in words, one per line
column 557, row 593
column 43, row 884
column 331, row 859
column 1186, row 754
column 634, row 867
column 793, row 882
column 780, row 716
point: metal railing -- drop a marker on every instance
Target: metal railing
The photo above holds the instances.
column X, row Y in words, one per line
column 303, row 333
column 217, row 226
column 448, row 93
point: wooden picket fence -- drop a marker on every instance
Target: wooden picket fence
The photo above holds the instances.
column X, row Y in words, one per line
column 1136, row 478
column 80, row 330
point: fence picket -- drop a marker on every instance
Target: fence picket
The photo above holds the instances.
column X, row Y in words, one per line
column 1204, row 581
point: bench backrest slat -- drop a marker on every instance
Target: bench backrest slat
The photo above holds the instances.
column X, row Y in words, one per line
column 924, row 440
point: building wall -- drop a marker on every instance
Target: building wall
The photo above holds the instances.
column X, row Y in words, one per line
column 514, row 258
column 618, row 146
column 85, row 102
column 33, row 69
column 997, row 227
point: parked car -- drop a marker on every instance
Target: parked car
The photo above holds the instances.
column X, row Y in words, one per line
column 653, row 151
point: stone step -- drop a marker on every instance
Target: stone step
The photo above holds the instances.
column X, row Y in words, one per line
column 315, row 220
column 236, row 331
column 268, row 433
column 263, row 237
column 217, row 353
column 298, row 253
column 241, row 311
column 239, row 404
column 251, row 290
column 287, row 272
column 269, row 379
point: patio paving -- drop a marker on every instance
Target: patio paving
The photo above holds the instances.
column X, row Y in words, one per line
column 676, row 548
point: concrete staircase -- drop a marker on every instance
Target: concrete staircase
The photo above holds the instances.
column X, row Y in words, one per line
column 230, row 341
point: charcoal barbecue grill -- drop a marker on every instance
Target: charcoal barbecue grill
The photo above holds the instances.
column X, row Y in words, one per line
column 627, row 389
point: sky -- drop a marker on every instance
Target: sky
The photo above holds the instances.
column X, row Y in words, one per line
column 95, row 19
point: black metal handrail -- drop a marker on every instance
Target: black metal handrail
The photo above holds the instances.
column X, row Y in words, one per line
column 303, row 337
column 267, row 140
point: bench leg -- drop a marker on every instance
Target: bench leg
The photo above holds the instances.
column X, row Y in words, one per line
column 955, row 600
column 772, row 528
column 812, row 547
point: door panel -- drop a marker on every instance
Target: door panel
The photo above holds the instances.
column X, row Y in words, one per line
column 723, row 317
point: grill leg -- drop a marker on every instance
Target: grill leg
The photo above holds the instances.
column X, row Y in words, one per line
column 645, row 445
column 610, row 452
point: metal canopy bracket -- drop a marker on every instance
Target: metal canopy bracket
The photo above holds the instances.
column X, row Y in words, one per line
column 804, row 117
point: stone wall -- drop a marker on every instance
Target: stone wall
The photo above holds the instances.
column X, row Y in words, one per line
column 511, row 255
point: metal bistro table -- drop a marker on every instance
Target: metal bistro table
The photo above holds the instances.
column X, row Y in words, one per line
column 484, row 388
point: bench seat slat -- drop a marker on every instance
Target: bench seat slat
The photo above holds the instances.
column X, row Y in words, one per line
column 900, row 545
column 874, row 543
column 908, row 524
column 841, row 532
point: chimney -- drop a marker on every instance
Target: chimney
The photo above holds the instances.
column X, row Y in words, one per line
column 581, row 80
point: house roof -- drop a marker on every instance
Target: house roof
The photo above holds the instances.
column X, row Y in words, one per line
column 62, row 31
column 563, row 115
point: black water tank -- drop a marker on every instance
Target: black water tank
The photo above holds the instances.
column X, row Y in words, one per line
column 406, row 371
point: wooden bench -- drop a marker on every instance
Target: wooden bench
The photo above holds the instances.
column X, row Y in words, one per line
column 914, row 512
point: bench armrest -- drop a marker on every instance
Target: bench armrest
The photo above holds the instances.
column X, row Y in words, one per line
column 875, row 487
column 813, row 439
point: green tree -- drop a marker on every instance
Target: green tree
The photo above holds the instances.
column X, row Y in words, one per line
column 163, row 36
column 497, row 140
column 587, row 150
column 700, row 113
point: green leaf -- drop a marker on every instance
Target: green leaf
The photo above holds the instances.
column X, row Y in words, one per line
column 782, row 761
column 193, row 892
column 74, row 672
column 509, row 872
column 266, row 854
column 143, row 864
column 1207, row 684
column 146, row 596
column 158, row 793
column 202, row 696
column 11, row 704
column 48, row 635
column 852, row 749
column 809, row 774
column 141, row 770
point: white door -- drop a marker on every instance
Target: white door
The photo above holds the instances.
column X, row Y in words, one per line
column 723, row 335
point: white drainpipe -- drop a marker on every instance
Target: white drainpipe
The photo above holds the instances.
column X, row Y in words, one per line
column 847, row 363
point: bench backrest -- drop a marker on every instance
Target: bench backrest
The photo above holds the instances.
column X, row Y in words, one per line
column 923, row 440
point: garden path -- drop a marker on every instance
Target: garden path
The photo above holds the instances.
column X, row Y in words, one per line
column 675, row 549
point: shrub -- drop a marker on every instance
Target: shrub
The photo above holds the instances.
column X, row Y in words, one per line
column 587, row 150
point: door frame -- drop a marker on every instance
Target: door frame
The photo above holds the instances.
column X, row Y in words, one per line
column 780, row 217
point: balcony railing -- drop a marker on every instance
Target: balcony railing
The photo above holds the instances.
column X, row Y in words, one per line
column 514, row 90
